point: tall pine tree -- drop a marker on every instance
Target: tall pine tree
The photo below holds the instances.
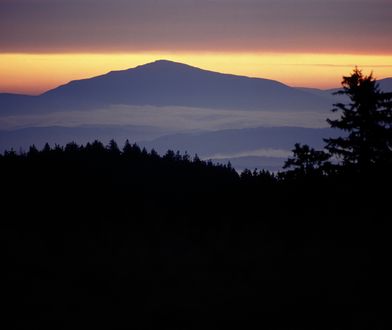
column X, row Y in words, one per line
column 367, row 119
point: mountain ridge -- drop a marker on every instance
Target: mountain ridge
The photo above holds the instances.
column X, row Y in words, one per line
column 167, row 83
column 384, row 82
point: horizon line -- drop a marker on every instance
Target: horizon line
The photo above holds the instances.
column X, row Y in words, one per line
column 37, row 73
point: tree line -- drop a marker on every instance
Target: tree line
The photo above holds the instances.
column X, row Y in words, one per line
column 103, row 237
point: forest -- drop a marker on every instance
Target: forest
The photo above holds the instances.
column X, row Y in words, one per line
column 111, row 237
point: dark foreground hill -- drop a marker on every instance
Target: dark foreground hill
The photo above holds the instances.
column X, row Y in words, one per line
column 98, row 238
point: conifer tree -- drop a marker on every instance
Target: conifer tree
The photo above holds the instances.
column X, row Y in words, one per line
column 113, row 147
column 306, row 161
column 367, row 119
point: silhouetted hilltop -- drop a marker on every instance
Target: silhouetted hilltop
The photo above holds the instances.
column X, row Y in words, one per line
column 14, row 104
column 234, row 141
column 166, row 83
column 270, row 145
column 385, row 84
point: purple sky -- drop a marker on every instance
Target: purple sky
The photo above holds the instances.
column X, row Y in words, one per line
column 332, row 26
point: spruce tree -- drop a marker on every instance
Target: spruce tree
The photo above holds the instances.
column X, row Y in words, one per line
column 306, row 161
column 367, row 119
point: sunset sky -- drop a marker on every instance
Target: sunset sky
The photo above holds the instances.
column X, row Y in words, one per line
column 44, row 43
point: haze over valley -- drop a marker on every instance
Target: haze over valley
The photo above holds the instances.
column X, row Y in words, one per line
column 251, row 122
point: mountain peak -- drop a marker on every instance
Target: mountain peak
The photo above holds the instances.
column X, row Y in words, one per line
column 165, row 64
column 168, row 83
column 163, row 61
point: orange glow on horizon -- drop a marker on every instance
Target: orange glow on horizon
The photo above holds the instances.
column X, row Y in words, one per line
column 36, row 73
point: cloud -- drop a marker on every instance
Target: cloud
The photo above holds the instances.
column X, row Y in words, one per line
column 276, row 153
column 171, row 118
column 207, row 25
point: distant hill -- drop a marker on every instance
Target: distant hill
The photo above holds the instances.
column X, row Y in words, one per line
column 228, row 141
column 233, row 141
column 166, row 83
column 162, row 106
column 384, row 84
column 14, row 104
column 262, row 147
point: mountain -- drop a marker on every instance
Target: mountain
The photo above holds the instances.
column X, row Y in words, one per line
column 261, row 147
column 166, row 83
column 385, row 86
column 14, row 104
column 233, row 142
column 167, row 105
column 239, row 141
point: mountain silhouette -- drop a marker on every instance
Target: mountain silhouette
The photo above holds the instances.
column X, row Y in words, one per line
column 385, row 85
column 166, row 83
column 14, row 104
column 184, row 91
column 237, row 140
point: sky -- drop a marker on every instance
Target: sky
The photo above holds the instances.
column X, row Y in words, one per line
column 45, row 43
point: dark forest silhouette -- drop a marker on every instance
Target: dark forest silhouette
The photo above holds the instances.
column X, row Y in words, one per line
column 116, row 238
column 366, row 150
